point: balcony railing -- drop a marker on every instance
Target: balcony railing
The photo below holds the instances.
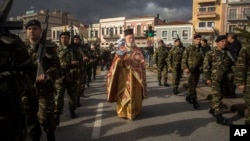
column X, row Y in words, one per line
column 238, row 2
column 237, row 17
column 111, row 36
column 203, row 1
column 204, row 29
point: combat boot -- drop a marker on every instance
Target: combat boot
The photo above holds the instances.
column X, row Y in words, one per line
column 221, row 120
column 160, row 83
column 78, row 101
column 196, row 105
column 57, row 118
column 189, row 100
column 175, row 90
column 166, row 84
column 72, row 114
column 211, row 111
column 51, row 136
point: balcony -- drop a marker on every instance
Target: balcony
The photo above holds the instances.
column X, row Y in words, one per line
column 116, row 36
column 238, row 2
column 205, row 1
column 239, row 17
column 204, row 29
column 207, row 12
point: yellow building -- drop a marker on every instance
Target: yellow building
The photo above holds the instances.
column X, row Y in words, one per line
column 208, row 14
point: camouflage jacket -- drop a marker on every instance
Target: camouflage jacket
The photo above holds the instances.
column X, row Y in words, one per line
column 161, row 55
column 175, row 56
column 192, row 59
column 50, row 61
column 217, row 65
column 242, row 67
column 17, row 72
column 69, row 71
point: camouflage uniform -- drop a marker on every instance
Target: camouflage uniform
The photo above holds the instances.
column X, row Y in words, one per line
column 17, row 74
column 78, row 56
column 192, row 59
column 88, row 64
column 160, row 57
column 95, row 53
column 217, row 68
column 40, row 105
column 174, row 62
column 67, row 81
column 242, row 75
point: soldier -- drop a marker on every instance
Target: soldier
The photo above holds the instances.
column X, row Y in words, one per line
column 191, row 64
column 242, row 77
column 88, row 63
column 205, row 48
column 234, row 47
column 160, row 57
column 79, row 55
column 41, row 111
column 216, row 69
column 174, row 62
column 17, row 74
column 95, row 53
column 68, row 79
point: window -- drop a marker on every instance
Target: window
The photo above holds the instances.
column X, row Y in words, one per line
column 107, row 31
column 138, row 30
column 231, row 28
column 185, row 34
column 96, row 33
column 174, row 34
column 120, row 30
column 209, row 24
column 202, row 24
column 247, row 11
column 115, row 30
column 128, row 27
column 232, row 13
column 102, row 31
column 164, row 34
column 111, row 32
column 53, row 35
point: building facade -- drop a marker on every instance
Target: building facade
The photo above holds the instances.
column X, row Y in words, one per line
column 56, row 18
column 236, row 14
column 94, row 33
column 170, row 31
column 111, row 29
column 209, row 15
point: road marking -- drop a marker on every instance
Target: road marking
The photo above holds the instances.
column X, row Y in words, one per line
column 98, row 122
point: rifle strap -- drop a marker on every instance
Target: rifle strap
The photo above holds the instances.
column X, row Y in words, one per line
column 230, row 56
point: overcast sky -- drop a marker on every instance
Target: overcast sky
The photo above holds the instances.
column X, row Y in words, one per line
column 90, row 11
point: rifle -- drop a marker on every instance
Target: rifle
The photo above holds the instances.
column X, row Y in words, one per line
column 42, row 48
column 4, row 12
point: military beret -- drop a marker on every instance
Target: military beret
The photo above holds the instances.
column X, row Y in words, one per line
column 176, row 40
column 65, row 33
column 128, row 32
column 197, row 36
column 77, row 36
column 221, row 37
column 33, row 23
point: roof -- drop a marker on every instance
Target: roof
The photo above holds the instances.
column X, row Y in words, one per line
column 178, row 22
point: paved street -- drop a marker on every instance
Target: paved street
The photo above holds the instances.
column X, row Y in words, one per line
column 165, row 117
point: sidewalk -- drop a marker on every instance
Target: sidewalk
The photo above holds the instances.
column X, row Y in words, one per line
column 204, row 92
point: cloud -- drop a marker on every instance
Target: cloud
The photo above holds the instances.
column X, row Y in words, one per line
column 90, row 11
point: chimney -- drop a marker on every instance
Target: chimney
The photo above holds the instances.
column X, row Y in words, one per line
column 157, row 18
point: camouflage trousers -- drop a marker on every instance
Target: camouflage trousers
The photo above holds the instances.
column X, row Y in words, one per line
column 39, row 109
column 81, row 80
column 176, row 73
column 61, row 87
column 247, row 100
column 94, row 68
column 217, row 96
column 162, row 69
column 193, row 80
